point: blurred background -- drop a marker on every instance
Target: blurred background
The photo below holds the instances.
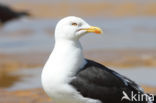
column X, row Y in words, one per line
column 128, row 44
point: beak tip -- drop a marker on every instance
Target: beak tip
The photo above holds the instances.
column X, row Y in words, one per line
column 99, row 31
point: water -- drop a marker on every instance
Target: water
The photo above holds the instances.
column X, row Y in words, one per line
column 142, row 75
column 118, row 34
column 28, row 35
column 31, row 78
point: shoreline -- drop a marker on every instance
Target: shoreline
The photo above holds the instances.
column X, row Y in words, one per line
column 120, row 58
column 37, row 95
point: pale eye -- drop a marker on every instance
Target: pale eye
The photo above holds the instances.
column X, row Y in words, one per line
column 74, row 24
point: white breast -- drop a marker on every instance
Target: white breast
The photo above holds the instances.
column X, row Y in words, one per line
column 63, row 63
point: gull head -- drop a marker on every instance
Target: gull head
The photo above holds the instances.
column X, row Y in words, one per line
column 72, row 28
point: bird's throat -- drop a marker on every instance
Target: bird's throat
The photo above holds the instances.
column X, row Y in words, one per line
column 66, row 58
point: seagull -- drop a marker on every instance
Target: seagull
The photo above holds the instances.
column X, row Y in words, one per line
column 7, row 14
column 68, row 77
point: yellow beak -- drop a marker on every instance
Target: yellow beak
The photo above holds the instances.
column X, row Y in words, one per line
column 94, row 29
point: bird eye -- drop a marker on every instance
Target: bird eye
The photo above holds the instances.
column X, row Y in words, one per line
column 74, row 24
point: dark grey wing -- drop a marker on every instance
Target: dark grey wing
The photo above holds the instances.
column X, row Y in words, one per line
column 98, row 82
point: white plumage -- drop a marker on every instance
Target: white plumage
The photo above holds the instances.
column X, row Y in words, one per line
column 65, row 60
column 68, row 77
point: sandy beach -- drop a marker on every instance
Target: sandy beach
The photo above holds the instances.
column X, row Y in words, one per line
column 128, row 44
column 93, row 9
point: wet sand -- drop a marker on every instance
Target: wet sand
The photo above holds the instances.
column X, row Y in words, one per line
column 21, row 43
column 36, row 95
column 12, row 63
column 24, row 96
column 122, row 58
column 93, row 9
column 52, row 9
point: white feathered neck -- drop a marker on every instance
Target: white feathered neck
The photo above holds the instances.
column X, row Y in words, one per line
column 65, row 59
